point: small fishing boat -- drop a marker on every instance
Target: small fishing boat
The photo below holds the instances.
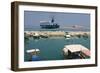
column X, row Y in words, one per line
column 36, row 36
column 76, row 51
column 33, row 51
column 34, row 54
column 67, row 36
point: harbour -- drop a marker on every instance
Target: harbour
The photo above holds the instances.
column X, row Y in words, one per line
column 51, row 47
column 48, row 35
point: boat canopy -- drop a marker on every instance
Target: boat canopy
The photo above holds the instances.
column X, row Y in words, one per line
column 33, row 50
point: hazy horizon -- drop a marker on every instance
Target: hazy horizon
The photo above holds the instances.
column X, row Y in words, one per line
column 32, row 19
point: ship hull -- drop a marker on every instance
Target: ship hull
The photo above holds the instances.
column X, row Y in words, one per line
column 49, row 26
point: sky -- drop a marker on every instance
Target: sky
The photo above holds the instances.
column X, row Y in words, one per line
column 33, row 18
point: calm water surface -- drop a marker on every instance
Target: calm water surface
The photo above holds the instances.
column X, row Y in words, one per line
column 51, row 48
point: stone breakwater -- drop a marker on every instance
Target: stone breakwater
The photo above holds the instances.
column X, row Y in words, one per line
column 55, row 33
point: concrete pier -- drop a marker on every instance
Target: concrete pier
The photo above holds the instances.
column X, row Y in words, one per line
column 55, row 33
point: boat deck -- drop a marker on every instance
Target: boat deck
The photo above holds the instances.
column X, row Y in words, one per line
column 76, row 49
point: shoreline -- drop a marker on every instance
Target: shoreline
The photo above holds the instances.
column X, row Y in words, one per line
column 56, row 33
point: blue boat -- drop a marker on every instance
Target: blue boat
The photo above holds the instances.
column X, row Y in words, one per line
column 35, row 58
column 49, row 24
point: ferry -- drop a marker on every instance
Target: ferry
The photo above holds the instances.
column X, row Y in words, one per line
column 49, row 24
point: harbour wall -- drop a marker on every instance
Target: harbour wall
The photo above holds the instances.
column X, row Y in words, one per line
column 55, row 33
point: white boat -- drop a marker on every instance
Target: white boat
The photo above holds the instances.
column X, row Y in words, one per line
column 76, row 49
column 36, row 35
column 67, row 36
column 33, row 51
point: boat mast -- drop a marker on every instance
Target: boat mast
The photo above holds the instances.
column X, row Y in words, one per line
column 52, row 20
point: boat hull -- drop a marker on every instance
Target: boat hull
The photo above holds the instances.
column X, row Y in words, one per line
column 49, row 26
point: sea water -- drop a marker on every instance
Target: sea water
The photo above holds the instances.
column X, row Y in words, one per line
column 51, row 48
